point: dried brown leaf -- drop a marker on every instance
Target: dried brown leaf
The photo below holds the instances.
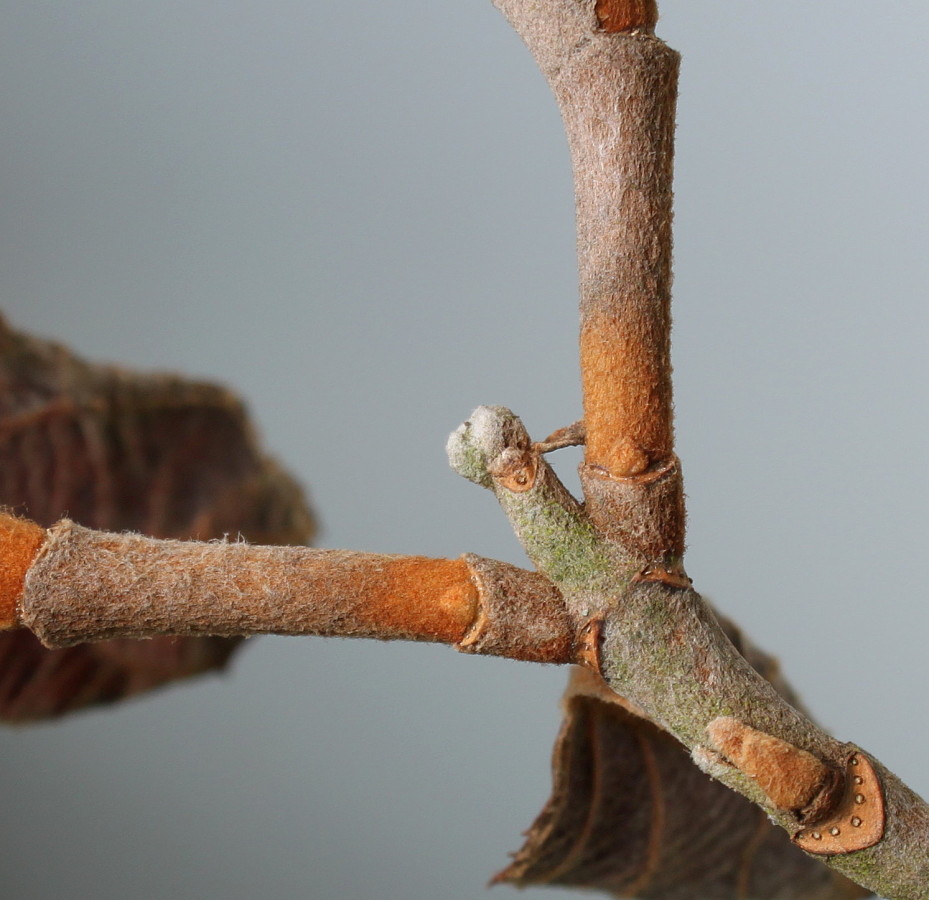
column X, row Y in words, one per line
column 117, row 451
column 631, row 815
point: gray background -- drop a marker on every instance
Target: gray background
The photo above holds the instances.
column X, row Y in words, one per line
column 360, row 216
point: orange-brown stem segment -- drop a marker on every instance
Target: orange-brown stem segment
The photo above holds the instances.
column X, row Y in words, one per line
column 627, row 15
column 626, row 373
column 622, row 142
column 91, row 585
column 20, row 541
column 429, row 596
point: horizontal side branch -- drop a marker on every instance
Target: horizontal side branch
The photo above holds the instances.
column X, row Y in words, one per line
column 89, row 585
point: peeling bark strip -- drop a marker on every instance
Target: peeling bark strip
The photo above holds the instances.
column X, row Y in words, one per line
column 88, row 586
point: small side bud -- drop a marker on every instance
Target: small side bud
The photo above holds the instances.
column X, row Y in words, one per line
column 477, row 448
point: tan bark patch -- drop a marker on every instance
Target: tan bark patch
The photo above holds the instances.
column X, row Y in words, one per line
column 627, row 395
column 790, row 777
column 427, row 596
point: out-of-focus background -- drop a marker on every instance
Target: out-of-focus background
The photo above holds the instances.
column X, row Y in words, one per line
column 360, row 217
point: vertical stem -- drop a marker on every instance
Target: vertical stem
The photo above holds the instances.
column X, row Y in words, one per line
column 621, row 139
column 617, row 94
column 622, row 146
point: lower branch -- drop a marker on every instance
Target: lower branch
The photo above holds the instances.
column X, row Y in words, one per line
column 87, row 585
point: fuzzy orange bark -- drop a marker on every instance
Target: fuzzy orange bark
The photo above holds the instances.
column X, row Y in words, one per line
column 90, row 585
column 20, row 541
column 627, row 393
column 621, row 140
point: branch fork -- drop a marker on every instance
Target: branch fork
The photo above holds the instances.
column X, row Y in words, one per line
column 617, row 559
column 641, row 636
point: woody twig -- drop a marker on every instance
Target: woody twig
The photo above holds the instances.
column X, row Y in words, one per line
column 71, row 585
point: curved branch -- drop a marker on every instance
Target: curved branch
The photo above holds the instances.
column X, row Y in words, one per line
column 617, row 95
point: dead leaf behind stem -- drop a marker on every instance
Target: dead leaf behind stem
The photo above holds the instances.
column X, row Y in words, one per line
column 631, row 815
column 118, row 451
